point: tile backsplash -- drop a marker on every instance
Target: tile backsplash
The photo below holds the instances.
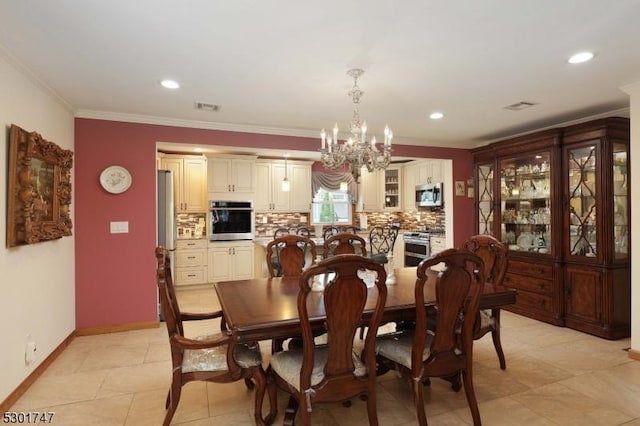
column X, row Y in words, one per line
column 191, row 225
column 432, row 220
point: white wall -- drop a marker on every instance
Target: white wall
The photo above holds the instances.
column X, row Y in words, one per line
column 634, row 93
column 37, row 284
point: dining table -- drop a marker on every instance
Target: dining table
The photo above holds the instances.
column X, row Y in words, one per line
column 267, row 308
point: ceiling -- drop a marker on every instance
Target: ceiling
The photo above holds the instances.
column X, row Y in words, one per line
column 279, row 66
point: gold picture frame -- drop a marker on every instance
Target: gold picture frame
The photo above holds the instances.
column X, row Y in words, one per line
column 39, row 189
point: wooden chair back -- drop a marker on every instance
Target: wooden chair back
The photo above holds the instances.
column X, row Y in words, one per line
column 167, row 293
column 458, row 288
column 334, row 230
column 289, row 252
column 344, row 243
column 344, row 297
column 493, row 253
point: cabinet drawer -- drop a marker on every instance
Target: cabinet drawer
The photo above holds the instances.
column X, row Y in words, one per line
column 191, row 244
column 539, row 270
column 537, row 301
column 188, row 276
column 191, row 258
column 522, row 282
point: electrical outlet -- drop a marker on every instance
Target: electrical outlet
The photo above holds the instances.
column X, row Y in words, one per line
column 29, row 350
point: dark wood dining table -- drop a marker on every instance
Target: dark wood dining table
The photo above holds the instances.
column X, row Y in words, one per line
column 267, row 308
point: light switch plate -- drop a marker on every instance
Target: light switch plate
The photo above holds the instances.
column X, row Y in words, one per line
column 119, row 227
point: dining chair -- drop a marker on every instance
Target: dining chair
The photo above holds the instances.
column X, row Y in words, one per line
column 332, row 372
column 213, row 358
column 280, row 232
column 448, row 349
column 290, row 252
column 494, row 255
column 344, row 243
column 381, row 242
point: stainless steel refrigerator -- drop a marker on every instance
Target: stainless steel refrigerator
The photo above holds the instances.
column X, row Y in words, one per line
column 166, row 218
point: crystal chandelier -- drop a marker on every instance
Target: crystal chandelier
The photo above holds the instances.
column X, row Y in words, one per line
column 355, row 151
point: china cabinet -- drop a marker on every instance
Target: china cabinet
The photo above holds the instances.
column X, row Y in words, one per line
column 597, row 290
column 560, row 200
column 517, row 198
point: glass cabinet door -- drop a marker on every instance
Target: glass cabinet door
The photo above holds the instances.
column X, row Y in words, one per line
column 582, row 192
column 392, row 188
column 525, row 207
column 620, row 202
column 486, row 199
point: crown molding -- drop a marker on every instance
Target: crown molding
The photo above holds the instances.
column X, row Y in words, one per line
column 14, row 62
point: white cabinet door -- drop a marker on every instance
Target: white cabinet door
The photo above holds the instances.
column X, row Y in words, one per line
column 194, row 188
column 242, row 262
column 262, row 198
column 409, row 182
column 228, row 262
column 279, row 198
column 231, row 176
column 219, row 264
column 189, row 182
column 243, row 176
column 219, row 175
column 300, row 196
column 370, row 192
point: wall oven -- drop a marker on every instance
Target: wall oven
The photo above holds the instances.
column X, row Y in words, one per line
column 417, row 247
column 230, row 220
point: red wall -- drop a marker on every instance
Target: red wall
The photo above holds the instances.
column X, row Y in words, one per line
column 115, row 273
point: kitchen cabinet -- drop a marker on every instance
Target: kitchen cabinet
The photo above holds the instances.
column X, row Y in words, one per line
column 189, row 181
column 560, row 200
column 381, row 190
column 391, row 185
column 191, row 262
column 370, row 192
column 230, row 260
column 437, row 243
column 420, row 172
column 270, row 197
column 231, row 177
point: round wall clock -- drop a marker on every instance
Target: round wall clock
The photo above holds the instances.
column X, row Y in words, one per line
column 115, row 179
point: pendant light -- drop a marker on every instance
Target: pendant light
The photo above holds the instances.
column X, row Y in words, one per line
column 286, row 185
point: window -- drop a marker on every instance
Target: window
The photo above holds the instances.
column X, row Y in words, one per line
column 330, row 208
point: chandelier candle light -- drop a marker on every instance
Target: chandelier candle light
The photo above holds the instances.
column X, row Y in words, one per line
column 355, row 151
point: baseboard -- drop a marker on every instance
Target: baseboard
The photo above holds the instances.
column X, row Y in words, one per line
column 90, row 331
column 35, row 374
column 633, row 354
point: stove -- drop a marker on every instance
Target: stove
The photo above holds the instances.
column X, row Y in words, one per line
column 417, row 247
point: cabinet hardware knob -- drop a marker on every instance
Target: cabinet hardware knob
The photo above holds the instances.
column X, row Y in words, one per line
column 234, row 188
column 229, row 188
column 191, row 275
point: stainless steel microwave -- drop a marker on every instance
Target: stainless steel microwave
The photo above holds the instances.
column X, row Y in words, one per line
column 429, row 195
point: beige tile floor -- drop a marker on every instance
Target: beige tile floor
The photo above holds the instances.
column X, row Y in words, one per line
column 554, row 376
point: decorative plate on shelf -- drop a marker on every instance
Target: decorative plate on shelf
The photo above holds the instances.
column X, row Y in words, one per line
column 115, row 179
column 525, row 241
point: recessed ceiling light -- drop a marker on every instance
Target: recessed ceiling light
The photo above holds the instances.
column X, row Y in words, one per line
column 436, row 115
column 578, row 58
column 169, row 84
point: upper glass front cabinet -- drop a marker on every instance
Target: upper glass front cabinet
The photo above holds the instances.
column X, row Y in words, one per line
column 620, row 202
column 525, row 203
column 486, row 200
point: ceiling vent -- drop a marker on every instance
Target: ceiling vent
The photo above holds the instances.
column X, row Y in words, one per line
column 207, row 107
column 520, row 105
